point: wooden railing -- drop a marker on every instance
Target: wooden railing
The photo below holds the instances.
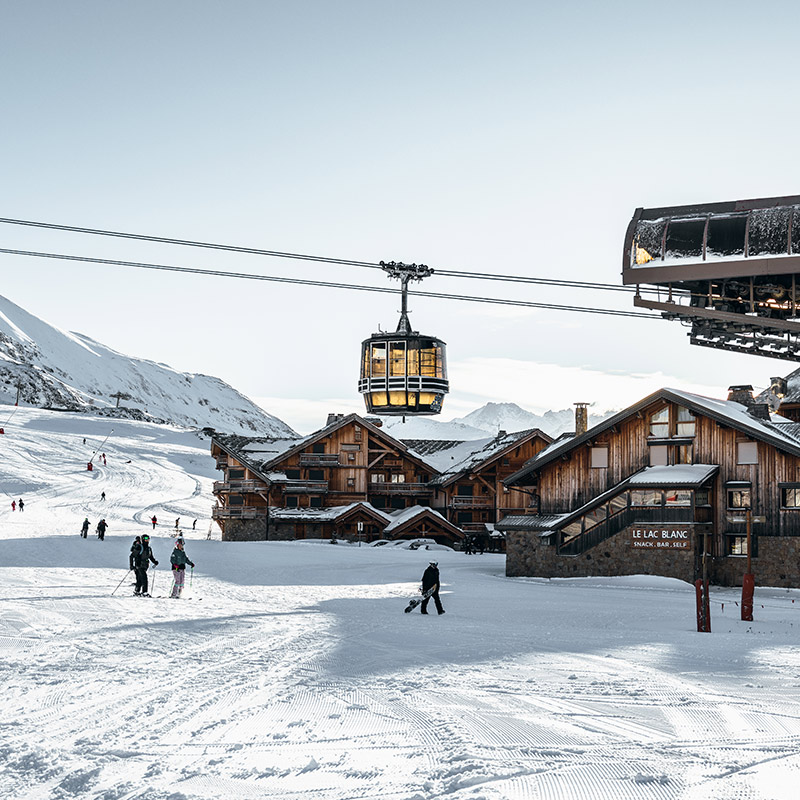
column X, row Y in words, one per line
column 305, row 487
column 238, row 512
column 322, row 459
column 399, row 488
column 464, row 501
column 239, row 486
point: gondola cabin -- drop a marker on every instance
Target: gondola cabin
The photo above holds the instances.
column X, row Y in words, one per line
column 730, row 270
column 403, row 374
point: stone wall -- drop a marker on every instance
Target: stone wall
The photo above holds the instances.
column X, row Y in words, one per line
column 777, row 564
column 244, row 530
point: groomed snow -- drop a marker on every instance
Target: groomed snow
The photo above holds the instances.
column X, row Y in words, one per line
column 289, row 670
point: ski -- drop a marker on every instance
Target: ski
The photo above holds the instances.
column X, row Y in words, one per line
column 414, row 602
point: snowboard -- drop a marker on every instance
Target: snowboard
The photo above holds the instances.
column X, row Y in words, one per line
column 414, row 602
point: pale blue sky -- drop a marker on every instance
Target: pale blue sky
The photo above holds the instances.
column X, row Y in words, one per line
column 506, row 137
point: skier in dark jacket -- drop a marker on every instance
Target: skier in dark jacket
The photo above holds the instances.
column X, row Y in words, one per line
column 142, row 557
column 179, row 560
column 430, row 579
column 85, row 529
column 101, row 530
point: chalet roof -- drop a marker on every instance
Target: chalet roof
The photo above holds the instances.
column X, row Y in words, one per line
column 404, row 516
column 530, row 522
column 726, row 412
column 674, row 475
column 322, row 514
column 792, row 394
column 467, row 457
column 262, row 453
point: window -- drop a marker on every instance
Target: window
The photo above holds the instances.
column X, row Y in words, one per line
column 686, row 422
column 646, row 497
column 678, row 497
column 315, row 502
column 397, row 358
column 684, row 454
column 235, row 500
column 463, row 517
column 290, row 502
column 659, row 423
column 316, row 475
column 398, row 502
column 357, row 433
column 464, row 490
column 737, row 545
column 398, row 477
column 739, row 498
column 506, row 462
column 378, row 360
column 702, row 497
column 318, row 448
column 659, row 455
column 790, row 498
column 351, row 481
column 293, row 474
column 235, row 474
column 377, row 477
column 747, row 453
column 351, row 456
column 599, row 458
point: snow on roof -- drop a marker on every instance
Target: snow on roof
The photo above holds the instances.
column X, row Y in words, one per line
column 257, row 450
column 403, row 515
column 321, row 514
column 674, row 475
column 531, row 522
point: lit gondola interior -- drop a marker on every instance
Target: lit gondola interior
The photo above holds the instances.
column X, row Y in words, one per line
column 403, row 373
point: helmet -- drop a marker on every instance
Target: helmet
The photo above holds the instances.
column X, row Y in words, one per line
column 434, row 563
column 145, row 538
column 179, row 540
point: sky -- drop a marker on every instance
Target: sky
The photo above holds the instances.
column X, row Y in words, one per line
column 512, row 137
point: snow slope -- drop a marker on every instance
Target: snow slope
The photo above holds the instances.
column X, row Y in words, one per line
column 69, row 370
column 289, row 670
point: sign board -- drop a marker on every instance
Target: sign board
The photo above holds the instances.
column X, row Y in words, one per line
column 743, row 518
column 661, row 537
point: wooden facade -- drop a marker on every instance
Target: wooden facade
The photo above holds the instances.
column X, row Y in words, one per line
column 594, row 491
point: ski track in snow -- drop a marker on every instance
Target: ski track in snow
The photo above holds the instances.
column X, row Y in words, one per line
column 290, row 671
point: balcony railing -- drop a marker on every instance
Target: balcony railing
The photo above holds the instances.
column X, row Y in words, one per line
column 239, row 486
column 399, row 488
column 472, row 502
column 472, row 527
column 321, row 459
column 305, row 487
column 238, row 512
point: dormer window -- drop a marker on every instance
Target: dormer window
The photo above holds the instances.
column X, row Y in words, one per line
column 659, row 424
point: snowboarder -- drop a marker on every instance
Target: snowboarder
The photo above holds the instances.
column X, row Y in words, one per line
column 13, row 505
column 101, row 530
column 154, row 521
column 179, row 560
column 85, row 529
column 103, row 496
column 21, row 505
column 142, row 557
column 137, row 543
column 430, row 578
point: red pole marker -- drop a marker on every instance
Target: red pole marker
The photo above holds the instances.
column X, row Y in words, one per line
column 748, row 586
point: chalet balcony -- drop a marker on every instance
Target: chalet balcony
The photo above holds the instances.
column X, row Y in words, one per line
column 238, row 512
column 220, row 487
column 472, row 527
column 486, row 501
column 222, row 462
column 319, row 459
column 305, row 487
column 399, row 488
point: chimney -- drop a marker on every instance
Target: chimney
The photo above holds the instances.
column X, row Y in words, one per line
column 333, row 418
column 778, row 386
column 759, row 411
column 581, row 418
column 376, row 421
column 741, row 394
column 501, row 434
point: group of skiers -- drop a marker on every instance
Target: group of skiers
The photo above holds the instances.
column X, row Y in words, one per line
column 100, row 530
column 142, row 556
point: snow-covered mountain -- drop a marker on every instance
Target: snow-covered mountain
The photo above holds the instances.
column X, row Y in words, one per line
column 53, row 368
column 428, row 428
column 509, row 417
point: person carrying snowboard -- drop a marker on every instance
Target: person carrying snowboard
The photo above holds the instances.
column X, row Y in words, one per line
column 179, row 560
column 85, row 529
column 101, row 530
column 430, row 579
column 142, row 557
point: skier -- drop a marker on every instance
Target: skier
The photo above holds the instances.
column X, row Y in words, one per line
column 137, row 543
column 101, row 530
column 179, row 560
column 85, row 529
column 84, row 440
column 468, row 547
column 177, row 523
column 104, row 460
column 103, row 496
column 430, row 578
column 13, row 505
column 21, row 505
column 194, row 525
column 154, row 521
column 142, row 557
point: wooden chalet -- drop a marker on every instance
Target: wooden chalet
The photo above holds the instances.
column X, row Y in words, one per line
column 641, row 491
column 469, row 489
column 348, row 479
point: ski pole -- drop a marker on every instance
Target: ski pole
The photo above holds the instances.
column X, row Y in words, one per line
column 153, row 581
column 121, row 582
column 191, row 578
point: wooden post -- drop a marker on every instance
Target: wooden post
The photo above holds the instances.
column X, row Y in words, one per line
column 748, row 581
